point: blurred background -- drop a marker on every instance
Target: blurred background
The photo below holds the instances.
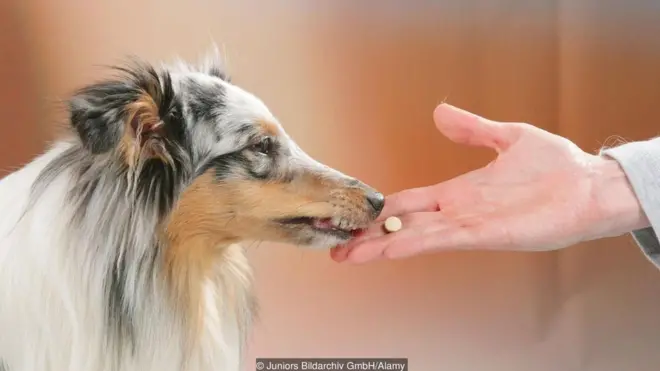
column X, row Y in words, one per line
column 355, row 83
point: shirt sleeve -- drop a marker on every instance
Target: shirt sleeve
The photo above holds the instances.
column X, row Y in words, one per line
column 640, row 162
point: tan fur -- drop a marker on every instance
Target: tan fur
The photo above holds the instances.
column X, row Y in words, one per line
column 141, row 139
column 212, row 215
column 269, row 128
column 194, row 242
column 334, row 190
column 233, row 211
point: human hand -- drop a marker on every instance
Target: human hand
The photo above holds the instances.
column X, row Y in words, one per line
column 542, row 192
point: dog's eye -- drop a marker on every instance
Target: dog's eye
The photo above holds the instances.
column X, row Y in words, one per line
column 265, row 146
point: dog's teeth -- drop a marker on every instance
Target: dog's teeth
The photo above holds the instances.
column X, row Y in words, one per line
column 336, row 221
column 343, row 224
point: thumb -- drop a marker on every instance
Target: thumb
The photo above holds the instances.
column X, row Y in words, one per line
column 464, row 127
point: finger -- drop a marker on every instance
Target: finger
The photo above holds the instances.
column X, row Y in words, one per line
column 339, row 253
column 376, row 248
column 408, row 221
column 466, row 235
column 465, row 127
column 410, row 201
column 405, row 202
column 440, row 235
column 342, row 256
column 372, row 244
column 448, row 239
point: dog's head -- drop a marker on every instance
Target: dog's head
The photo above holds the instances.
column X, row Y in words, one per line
column 215, row 161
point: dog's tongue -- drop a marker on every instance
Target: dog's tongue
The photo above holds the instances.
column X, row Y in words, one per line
column 325, row 223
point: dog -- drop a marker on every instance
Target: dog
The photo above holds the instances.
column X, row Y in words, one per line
column 122, row 245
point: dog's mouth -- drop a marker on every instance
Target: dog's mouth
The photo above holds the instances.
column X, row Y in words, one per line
column 338, row 227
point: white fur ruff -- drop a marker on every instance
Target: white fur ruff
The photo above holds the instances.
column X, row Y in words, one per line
column 51, row 314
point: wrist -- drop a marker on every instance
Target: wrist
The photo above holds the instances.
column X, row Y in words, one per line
column 613, row 201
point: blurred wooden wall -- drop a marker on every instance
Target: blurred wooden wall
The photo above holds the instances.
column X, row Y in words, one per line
column 21, row 135
column 355, row 83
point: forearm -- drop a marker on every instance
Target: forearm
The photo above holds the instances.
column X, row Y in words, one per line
column 614, row 203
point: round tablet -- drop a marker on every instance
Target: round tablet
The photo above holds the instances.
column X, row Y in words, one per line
column 393, row 224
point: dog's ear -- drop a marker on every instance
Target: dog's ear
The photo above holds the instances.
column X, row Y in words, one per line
column 130, row 115
column 96, row 113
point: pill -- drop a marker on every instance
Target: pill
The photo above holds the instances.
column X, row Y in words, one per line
column 393, row 224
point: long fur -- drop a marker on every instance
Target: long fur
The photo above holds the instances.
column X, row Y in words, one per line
column 119, row 246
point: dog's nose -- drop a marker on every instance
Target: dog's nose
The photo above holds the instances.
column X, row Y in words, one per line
column 377, row 201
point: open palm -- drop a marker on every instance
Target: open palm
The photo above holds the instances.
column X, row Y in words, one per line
column 542, row 192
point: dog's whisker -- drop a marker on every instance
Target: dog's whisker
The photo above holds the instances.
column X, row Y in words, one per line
column 307, row 204
column 301, row 253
